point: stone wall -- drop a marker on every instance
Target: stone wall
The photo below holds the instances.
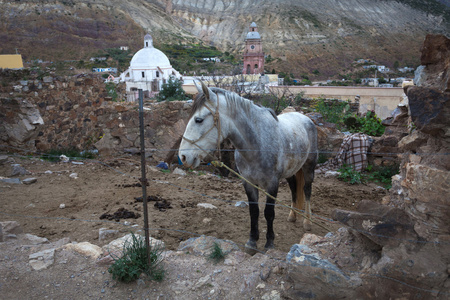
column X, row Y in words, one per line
column 64, row 112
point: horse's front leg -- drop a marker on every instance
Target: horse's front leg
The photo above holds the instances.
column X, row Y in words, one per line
column 252, row 195
column 269, row 214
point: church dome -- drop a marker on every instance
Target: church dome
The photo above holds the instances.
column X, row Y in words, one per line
column 149, row 57
column 253, row 35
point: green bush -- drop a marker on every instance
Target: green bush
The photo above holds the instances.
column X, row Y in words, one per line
column 369, row 124
column 172, row 90
column 333, row 111
column 111, row 90
column 134, row 262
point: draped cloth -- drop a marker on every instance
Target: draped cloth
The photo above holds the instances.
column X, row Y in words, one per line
column 353, row 152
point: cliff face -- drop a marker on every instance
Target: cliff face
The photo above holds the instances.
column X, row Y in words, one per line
column 304, row 35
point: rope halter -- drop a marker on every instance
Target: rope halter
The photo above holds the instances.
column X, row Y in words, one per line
column 216, row 123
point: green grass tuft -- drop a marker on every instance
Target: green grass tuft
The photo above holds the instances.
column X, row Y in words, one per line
column 134, row 262
column 217, row 255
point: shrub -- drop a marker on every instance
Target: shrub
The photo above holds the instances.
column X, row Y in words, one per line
column 333, row 111
column 171, row 91
column 134, row 261
column 369, row 124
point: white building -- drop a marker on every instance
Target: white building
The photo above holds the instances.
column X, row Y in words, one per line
column 149, row 69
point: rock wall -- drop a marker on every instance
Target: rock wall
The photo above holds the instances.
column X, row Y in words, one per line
column 65, row 112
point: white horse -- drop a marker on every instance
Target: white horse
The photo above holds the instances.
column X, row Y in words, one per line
column 268, row 148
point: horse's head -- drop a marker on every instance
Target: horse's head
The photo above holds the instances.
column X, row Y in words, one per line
column 202, row 135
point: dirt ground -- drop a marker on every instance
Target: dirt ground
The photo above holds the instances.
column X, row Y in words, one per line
column 105, row 187
column 112, row 184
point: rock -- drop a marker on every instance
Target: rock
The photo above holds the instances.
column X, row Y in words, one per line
column 47, row 79
column 203, row 245
column 316, row 277
column 29, row 180
column 383, row 225
column 179, row 172
column 241, row 204
column 429, row 109
column 206, row 205
column 436, row 59
column 85, row 248
column 10, row 180
column 201, row 282
column 42, row 260
column 34, row 240
column 272, row 295
column 62, row 206
column 11, row 227
column 3, row 159
column 308, row 239
column 18, row 170
column 104, row 234
column 116, row 247
column 107, row 144
column 73, row 175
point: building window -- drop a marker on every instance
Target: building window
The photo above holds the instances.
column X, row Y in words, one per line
column 146, row 44
column 143, row 74
column 157, row 74
column 256, row 67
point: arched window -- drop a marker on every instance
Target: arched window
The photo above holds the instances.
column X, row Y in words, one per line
column 256, row 68
column 143, row 74
column 146, row 44
column 249, row 71
column 157, row 74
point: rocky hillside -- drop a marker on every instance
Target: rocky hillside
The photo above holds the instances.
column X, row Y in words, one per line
column 300, row 35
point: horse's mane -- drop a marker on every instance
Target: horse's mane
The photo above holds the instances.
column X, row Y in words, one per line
column 234, row 101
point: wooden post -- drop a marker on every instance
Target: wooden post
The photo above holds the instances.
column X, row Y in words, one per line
column 143, row 179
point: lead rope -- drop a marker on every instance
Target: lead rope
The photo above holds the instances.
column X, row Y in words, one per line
column 221, row 164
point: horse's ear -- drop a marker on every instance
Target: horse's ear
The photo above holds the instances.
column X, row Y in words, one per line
column 198, row 86
column 205, row 90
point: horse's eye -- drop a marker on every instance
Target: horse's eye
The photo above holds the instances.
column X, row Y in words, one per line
column 198, row 120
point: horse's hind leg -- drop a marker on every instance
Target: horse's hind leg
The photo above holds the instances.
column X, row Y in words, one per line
column 252, row 195
column 308, row 174
column 296, row 184
column 269, row 214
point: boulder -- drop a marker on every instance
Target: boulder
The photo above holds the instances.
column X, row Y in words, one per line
column 203, row 245
column 436, row 59
column 315, row 277
column 382, row 224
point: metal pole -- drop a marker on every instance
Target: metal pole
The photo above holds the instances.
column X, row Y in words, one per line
column 143, row 179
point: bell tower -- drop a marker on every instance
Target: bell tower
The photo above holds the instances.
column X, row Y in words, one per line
column 253, row 53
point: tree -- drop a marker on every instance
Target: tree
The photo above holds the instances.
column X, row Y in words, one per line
column 172, row 90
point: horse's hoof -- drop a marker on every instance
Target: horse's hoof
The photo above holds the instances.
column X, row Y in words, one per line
column 251, row 248
column 307, row 225
column 292, row 217
column 268, row 246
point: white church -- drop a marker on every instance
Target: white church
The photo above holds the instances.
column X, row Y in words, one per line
column 149, row 70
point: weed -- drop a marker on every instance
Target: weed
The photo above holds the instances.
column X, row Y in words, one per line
column 72, row 153
column 382, row 175
column 217, row 255
column 349, row 175
column 134, row 261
